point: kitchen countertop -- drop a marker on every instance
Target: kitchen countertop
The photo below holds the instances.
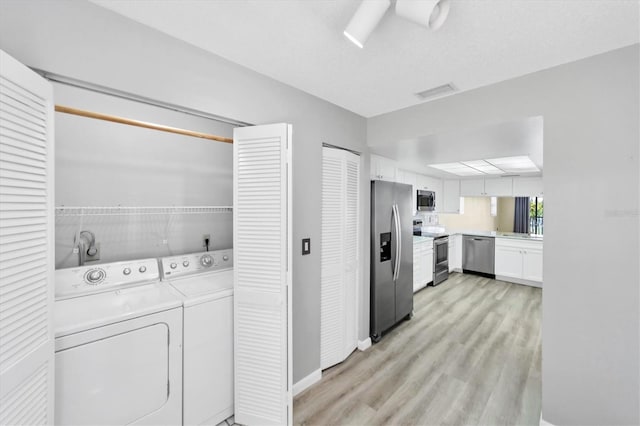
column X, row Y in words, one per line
column 497, row 234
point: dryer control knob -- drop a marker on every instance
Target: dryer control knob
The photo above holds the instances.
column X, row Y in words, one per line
column 94, row 276
column 126, row 271
column 142, row 269
column 206, row 260
column 225, row 257
column 185, row 263
column 173, row 265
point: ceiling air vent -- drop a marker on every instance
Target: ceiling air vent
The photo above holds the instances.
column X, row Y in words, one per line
column 436, row 91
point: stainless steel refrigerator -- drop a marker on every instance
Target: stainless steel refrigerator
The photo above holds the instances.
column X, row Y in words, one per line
column 391, row 255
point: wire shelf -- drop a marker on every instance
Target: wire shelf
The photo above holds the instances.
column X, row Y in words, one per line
column 139, row 211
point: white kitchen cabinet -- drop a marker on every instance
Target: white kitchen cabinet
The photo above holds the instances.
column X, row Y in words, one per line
column 428, row 259
column 422, row 263
column 532, row 264
column 408, row 178
column 527, row 187
column 498, row 187
column 382, row 168
column 405, row 176
column 450, row 196
column 472, row 188
column 495, row 187
column 508, row 261
column 455, row 253
column 519, row 261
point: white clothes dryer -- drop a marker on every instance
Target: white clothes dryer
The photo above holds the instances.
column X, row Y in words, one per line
column 205, row 281
column 118, row 343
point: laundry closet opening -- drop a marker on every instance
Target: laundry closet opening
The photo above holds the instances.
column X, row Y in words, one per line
column 105, row 164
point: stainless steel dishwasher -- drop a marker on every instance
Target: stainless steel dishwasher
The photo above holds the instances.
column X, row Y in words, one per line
column 478, row 255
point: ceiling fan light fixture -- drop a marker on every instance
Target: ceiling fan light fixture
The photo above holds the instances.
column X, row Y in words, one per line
column 428, row 13
column 365, row 20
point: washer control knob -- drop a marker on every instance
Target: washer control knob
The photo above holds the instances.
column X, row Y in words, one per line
column 173, row 265
column 206, row 260
column 142, row 269
column 94, row 276
column 225, row 257
column 185, row 263
column 126, row 271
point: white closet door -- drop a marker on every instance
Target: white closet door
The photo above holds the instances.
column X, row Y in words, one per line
column 262, row 275
column 26, row 245
column 340, row 250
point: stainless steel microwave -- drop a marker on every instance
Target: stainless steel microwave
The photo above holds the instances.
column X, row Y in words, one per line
column 426, row 201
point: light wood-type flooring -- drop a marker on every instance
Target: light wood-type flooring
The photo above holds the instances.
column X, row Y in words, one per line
column 470, row 356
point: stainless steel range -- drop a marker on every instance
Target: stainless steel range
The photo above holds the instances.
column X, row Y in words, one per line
column 440, row 258
column 440, row 252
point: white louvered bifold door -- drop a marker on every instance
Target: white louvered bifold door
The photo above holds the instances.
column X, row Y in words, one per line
column 262, row 275
column 340, row 254
column 26, row 245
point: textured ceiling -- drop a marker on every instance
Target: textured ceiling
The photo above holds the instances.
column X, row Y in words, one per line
column 300, row 42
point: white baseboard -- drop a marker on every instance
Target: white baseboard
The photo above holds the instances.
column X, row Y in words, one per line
column 543, row 422
column 365, row 344
column 519, row 281
column 306, row 382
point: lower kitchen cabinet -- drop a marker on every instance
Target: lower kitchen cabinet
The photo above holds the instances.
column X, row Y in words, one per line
column 455, row 253
column 519, row 261
column 422, row 263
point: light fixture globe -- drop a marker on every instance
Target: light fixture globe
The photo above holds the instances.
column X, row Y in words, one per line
column 365, row 20
column 428, row 13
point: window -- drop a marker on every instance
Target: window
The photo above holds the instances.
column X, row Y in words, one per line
column 536, row 215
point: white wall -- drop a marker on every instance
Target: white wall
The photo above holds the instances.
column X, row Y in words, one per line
column 591, row 335
column 99, row 163
column 85, row 41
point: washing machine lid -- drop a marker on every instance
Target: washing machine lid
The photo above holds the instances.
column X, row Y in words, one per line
column 96, row 310
column 204, row 287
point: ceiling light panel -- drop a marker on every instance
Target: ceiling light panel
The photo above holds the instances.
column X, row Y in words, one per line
column 514, row 164
column 457, row 169
column 494, row 166
column 484, row 167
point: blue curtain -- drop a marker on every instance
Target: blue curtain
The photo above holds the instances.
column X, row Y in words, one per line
column 521, row 218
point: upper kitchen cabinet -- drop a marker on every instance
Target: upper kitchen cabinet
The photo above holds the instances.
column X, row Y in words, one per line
column 450, row 196
column 527, row 187
column 472, row 188
column 405, row 176
column 496, row 187
column 382, row 168
column 409, row 178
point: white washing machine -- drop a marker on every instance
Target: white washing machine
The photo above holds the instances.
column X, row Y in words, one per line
column 118, row 346
column 205, row 281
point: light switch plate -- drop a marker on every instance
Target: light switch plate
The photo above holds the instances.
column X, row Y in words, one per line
column 306, row 246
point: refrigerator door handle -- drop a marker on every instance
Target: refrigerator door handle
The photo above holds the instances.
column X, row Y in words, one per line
column 396, row 221
column 399, row 241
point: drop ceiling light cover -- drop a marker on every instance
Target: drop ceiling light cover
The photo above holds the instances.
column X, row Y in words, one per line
column 494, row 166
